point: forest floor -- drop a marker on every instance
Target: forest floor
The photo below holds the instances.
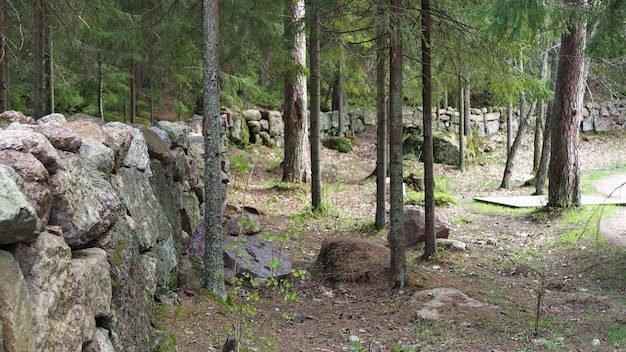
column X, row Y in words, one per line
column 547, row 282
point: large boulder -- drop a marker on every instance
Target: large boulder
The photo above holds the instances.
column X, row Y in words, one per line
column 61, row 137
column 153, row 231
column 137, row 155
column 157, row 148
column 445, row 149
column 18, row 219
column 101, row 342
column 84, row 203
column 131, row 307
column 177, row 133
column 16, row 321
column 255, row 256
column 10, row 116
column 31, row 142
column 415, row 225
column 97, row 155
column 57, row 320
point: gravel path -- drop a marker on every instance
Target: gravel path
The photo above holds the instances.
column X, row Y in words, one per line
column 614, row 228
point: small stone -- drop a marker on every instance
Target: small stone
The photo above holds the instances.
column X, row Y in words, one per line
column 595, row 342
column 354, row 339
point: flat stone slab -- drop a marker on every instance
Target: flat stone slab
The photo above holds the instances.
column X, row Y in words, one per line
column 540, row 201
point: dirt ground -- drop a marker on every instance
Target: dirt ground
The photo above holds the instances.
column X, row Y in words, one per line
column 541, row 282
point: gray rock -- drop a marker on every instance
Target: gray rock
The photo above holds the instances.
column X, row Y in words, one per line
column 415, row 227
column 18, row 219
column 131, row 307
column 61, row 137
column 265, row 125
column 492, row 127
column 246, row 224
column 455, row 245
column 137, row 156
column 252, row 115
column 254, row 127
column 97, row 155
column 277, row 126
column 239, row 132
column 34, row 181
column 326, row 122
column 256, row 257
column 92, row 128
column 121, row 140
column 31, row 142
column 100, row 342
column 57, row 318
column 369, row 116
column 153, row 231
column 431, row 304
column 267, row 140
column 170, row 200
column 10, row 116
column 54, row 117
column 445, row 149
column 84, row 203
column 177, row 133
column 16, row 320
column 162, row 134
column 164, row 341
column 191, row 272
column 157, row 148
column 91, row 272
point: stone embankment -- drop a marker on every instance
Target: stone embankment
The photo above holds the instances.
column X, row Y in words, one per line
column 93, row 222
column 266, row 126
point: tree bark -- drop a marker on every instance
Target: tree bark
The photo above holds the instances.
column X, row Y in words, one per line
column 467, row 111
column 4, row 104
column 430, row 247
column 542, row 169
column 564, row 172
column 100, row 88
column 211, row 127
column 296, row 163
column 461, row 128
column 133, row 92
column 381, row 129
column 38, row 90
column 49, row 66
column 314, row 86
column 397, row 270
column 510, row 159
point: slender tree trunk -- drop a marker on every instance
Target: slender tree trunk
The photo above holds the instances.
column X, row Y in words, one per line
column 509, row 127
column 430, row 247
column 214, row 248
column 4, row 104
column 564, row 187
column 314, row 87
column 397, row 270
column 542, row 169
column 100, row 88
column 133, row 93
column 297, row 163
column 461, row 130
column 340, row 107
column 38, row 90
column 381, row 129
column 510, row 160
column 540, row 122
column 49, row 66
column 467, row 111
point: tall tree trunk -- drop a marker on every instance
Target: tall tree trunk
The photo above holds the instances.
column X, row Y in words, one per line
column 38, row 90
column 4, row 104
column 461, row 128
column 381, row 128
column 510, row 159
column 297, row 163
column 509, row 127
column 133, row 92
column 211, row 127
column 430, row 247
column 542, row 169
column 397, row 270
column 100, row 88
column 467, row 111
column 49, row 66
column 540, row 122
column 339, row 96
column 314, row 87
column 564, row 187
